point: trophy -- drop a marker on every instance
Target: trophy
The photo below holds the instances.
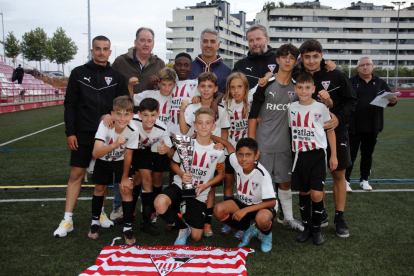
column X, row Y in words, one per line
column 185, row 148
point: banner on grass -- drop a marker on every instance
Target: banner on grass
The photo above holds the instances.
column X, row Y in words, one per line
column 169, row 260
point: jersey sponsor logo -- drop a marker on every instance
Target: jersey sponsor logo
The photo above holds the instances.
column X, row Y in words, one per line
column 317, row 116
column 272, row 93
column 88, row 79
column 291, row 94
column 271, row 106
column 115, row 153
column 326, row 84
column 302, row 133
column 108, row 80
column 271, row 67
column 169, row 262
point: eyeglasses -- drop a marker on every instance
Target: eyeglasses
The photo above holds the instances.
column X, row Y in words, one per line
column 365, row 65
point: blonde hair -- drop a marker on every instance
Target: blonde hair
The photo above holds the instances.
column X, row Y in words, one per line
column 167, row 74
column 123, row 103
column 204, row 110
column 228, row 97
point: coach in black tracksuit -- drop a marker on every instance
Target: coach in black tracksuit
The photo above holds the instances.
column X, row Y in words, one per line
column 367, row 120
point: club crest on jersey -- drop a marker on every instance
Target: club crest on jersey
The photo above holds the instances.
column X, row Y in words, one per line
column 317, row 116
column 326, row 84
column 169, row 262
column 255, row 185
column 108, row 80
column 213, row 158
column 291, row 94
column 192, row 86
column 271, row 67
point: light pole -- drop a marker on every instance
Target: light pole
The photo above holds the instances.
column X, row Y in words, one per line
column 89, row 30
column 396, row 42
column 4, row 45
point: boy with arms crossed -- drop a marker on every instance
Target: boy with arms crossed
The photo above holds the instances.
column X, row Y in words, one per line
column 109, row 148
column 306, row 119
column 206, row 160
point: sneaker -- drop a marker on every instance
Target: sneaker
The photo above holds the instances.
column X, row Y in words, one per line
column 65, row 226
column 304, row 236
column 348, row 187
column 293, row 224
column 105, row 221
column 149, row 228
column 317, row 238
column 116, row 213
column 154, row 217
column 365, row 185
column 239, row 235
column 226, row 229
column 341, row 228
column 280, row 217
column 324, row 222
column 266, row 242
column 207, row 230
column 248, row 234
column 169, row 227
column 183, row 235
column 121, row 219
column 129, row 237
column 93, row 232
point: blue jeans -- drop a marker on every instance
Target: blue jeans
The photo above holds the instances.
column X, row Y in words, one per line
column 117, row 196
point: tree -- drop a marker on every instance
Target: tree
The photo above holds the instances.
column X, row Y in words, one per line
column 11, row 46
column 36, row 46
column 64, row 49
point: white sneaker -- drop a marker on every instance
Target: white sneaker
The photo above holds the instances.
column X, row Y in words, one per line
column 116, row 213
column 104, row 221
column 293, row 224
column 65, row 226
column 365, row 185
column 348, row 187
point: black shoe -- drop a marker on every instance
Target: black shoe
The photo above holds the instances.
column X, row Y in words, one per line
column 317, row 238
column 341, row 228
column 149, row 228
column 324, row 222
column 280, row 217
column 304, row 236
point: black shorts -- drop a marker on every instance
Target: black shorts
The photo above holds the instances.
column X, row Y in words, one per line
column 342, row 150
column 82, row 157
column 310, row 171
column 244, row 223
column 195, row 210
column 145, row 159
column 229, row 168
column 103, row 173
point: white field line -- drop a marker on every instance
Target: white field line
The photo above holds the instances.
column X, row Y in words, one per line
column 11, row 141
column 217, row 195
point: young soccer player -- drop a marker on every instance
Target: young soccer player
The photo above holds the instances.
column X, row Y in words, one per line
column 255, row 195
column 207, row 86
column 306, row 119
column 110, row 146
column 150, row 160
column 206, row 160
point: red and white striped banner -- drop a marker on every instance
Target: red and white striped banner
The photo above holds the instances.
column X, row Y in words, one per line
column 169, row 260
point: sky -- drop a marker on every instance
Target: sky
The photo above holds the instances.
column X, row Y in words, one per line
column 116, row 19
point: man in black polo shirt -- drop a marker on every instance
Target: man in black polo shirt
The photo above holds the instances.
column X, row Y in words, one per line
column 367, row 120
column 337, row 84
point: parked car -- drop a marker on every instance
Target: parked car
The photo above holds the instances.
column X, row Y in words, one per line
column 31, row 72
column 55, row 75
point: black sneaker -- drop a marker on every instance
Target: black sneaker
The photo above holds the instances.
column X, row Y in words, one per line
column 324, row 222
column 317, row 238
column 304, row 236
column 280, row 217
column 149, row 228
column 341, row 228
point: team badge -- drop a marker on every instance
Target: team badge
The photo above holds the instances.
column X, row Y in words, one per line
column 326, row 84
column 169, row 262
column 291, row 94
column 192, row 86
column 317, row 116
column 213, row 158
column 271, row 67
column 108, row 80
column 255, row 185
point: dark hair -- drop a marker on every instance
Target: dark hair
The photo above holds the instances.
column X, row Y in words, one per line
column 250, row 143
column 101, row 38
column 207, row 76
column 285, row 49
column 144, row 29
column 123, row 103
column 310, row 45
column 304, row 77
column 149, row 104
column 183, row 55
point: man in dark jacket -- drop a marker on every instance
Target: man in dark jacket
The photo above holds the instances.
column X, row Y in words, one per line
column 19, row 74
column 89, row 98
column 367, row 120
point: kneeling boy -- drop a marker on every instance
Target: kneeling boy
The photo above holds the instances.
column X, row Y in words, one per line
column 110, row 146
column 206, row 160
column 256, row 198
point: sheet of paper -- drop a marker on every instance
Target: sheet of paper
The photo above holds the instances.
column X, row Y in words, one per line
column 382, row 100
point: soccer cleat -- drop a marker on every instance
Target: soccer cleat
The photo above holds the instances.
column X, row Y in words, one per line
column 129, row 237
column 304, row 236
column 280, row 217
column 348, row 187
column 365, row 185
column 267, row 242
column 183, row 234
column 149, row 228
column 116, row 213
column 154, row 217
column 248, row 234
column 104, row 221
column 293, row 224
column 226, row 229
column 239, row 235
column 93, row 232
column 341, row 228
column 65, row 226
column 324, row 222
column 317, row 238
column 207, row 230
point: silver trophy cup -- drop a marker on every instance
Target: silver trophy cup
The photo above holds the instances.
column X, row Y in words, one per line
column 185, row 149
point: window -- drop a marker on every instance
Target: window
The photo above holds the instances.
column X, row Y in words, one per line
column 189, row 29
column 189, row 50
column 189, row 39
column 189, row 17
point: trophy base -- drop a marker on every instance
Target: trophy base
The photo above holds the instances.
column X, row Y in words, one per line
column 189, row 193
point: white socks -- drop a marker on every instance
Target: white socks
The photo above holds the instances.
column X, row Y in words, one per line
column 285, row 198
column 68, row 216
